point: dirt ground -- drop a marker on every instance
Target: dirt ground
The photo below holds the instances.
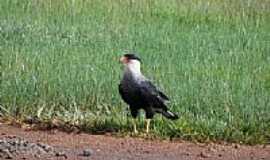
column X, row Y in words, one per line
column 106, row 147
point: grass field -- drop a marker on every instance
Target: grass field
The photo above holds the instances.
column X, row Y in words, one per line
column 59, row 59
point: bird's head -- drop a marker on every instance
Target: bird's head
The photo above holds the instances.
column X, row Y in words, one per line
column 132, row 62
column 130, row 58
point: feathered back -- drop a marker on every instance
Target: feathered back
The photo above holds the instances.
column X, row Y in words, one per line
column 152, row 95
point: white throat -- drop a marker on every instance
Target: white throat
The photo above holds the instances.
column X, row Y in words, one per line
column 134, row 67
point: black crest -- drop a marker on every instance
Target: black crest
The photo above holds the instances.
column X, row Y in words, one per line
column 132, row 56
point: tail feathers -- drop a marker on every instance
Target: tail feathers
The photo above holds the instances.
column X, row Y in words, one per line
column 170, row 115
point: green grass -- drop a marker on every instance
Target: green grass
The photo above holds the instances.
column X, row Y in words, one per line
column 60, row 59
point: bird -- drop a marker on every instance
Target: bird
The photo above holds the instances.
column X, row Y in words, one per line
column 138, row 92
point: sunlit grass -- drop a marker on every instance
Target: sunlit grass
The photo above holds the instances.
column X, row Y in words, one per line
column 60, row 59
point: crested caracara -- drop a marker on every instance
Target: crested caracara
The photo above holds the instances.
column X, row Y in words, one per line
column 139, row 93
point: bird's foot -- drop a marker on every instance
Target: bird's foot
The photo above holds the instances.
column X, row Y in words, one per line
column 135, row 131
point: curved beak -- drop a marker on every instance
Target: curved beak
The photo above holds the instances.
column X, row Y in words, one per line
column 123, row 59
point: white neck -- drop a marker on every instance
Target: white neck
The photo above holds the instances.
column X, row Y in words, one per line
column 134, row 67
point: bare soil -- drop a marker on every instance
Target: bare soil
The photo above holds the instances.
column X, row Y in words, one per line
column 72, row 146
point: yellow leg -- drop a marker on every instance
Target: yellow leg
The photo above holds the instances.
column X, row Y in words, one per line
column 134, row 126
column 147, row 125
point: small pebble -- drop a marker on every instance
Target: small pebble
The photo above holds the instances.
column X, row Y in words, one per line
column 61, row 154
column 236, row 146
column 8, row 154
column 87, row 152
column 204, row 155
